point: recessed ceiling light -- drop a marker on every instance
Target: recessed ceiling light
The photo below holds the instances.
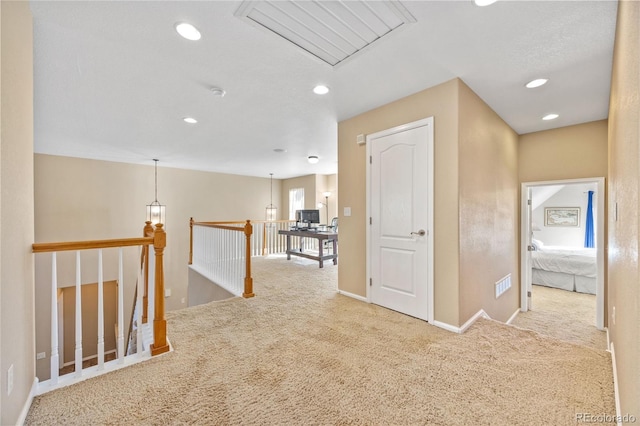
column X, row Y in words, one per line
column 188, row 31
column 321, row 90
column 279, row 150
column 218, row 91
column 484, row 2
column 313, row 159
column 190, row 120
column 550, row 117
column 536, row 83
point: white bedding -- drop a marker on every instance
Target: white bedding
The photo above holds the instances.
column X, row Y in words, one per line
column 569, row 260
column 567, row 268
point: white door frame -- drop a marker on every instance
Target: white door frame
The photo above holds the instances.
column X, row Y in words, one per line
column 430, row 189
column 525, row 231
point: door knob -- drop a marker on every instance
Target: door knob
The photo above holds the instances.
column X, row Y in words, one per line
column 420, row 232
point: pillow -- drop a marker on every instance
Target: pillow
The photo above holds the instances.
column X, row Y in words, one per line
column 537, row 244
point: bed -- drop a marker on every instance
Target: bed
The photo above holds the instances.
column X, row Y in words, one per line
column 566, row 268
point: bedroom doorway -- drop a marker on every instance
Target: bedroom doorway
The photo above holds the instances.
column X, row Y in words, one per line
column 558, row 212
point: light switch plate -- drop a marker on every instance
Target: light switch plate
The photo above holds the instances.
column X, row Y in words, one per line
column 347, row 211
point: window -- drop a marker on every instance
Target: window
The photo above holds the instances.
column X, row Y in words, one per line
column 296, row 201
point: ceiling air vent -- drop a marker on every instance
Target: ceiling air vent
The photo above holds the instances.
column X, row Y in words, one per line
column 329, row 30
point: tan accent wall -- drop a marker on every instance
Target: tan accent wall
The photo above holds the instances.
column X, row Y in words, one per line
column 571, row 152
column 441, row 102
column 307, row 182
column 624, row 185
column 488, row 186
column 16, row 210
column 80, row 199
column 89, row 298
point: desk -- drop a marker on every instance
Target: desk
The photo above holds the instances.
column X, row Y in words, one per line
column 321, row 237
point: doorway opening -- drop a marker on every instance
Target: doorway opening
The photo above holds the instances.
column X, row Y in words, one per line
column 562, row 248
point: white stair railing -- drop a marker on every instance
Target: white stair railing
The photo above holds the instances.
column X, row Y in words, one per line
column 155, row 325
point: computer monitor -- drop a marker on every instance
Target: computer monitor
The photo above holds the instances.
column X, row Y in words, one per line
column 308, row 216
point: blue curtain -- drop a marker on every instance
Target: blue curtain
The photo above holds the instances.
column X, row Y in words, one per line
column 589, row 238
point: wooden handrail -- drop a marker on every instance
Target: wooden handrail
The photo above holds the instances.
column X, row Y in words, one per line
column 93, row 244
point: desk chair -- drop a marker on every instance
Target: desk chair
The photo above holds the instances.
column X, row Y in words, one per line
column 331, row 228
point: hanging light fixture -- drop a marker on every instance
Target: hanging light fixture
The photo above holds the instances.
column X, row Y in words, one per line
column 271, row 210
column 155, row 210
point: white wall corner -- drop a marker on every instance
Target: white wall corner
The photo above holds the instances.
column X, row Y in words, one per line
column 28, row 402
column 480, row 314
column 615, row 380
column 513, row 317
column 354, row 296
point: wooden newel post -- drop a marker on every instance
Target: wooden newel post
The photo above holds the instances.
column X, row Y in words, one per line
column 248, row 280
column 159, row 322
column 191, row 222
column 147, row 232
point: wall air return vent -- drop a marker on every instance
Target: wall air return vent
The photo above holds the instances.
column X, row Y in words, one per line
column 329, row 30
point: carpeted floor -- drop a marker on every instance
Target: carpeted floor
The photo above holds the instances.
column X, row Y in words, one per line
column 299, row 353
column 565, row 315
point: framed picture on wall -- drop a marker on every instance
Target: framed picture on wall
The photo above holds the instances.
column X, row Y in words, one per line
column 562, row 216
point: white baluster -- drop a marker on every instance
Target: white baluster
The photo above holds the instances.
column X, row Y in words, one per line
column 55, row 356
column 100, row 313
column 121, row 347
column 78, row 353
column 138, row 311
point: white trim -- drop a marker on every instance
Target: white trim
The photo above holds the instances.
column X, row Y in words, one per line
column 600, row 241
column 615, row 382
column 480, row 314
column 353, row 296
column 428, row 122
column 513, row 317
column 27, row 404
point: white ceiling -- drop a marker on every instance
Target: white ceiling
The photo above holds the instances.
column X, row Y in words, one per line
column 113, row 79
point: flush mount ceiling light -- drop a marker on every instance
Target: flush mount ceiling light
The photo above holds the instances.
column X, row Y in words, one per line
column 190, row 120
column 550, row 117
column 536, row 83
column 216, row 91
column 331, row 31
column 279, row 150
column 313, row 159
column 188, row 31
column 484, row 2
column 321, row 90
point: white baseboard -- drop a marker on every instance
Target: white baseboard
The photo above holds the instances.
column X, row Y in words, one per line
column 480, row 314
column 354, row 296
column 513, row 317
column 615, row 380
column 27, row 405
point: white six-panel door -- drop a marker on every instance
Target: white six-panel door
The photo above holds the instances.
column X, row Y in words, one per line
column 400, row 234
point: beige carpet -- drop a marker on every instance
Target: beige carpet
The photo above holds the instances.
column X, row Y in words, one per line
column 300, row 354
column 565, row 315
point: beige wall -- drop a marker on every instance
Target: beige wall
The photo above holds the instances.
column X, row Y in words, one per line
column 16, row 210
column 571, row 152
column 441, row 102
column 624, row 185
column 489, row 219
column 314, row 186
column 80, row 199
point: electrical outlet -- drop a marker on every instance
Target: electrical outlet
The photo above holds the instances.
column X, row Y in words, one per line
column 613, row 316
column 167, row 292
column 183, row 300
column 41, row 355
column 10, row 380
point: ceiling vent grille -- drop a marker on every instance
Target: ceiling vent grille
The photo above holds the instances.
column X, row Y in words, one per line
column 329, row 30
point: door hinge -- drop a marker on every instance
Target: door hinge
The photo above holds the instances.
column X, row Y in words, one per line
column 370, row 221
column 370, row 282
column 531, row 248
column 371, row 159
column 528, row 294
column 529, row 201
